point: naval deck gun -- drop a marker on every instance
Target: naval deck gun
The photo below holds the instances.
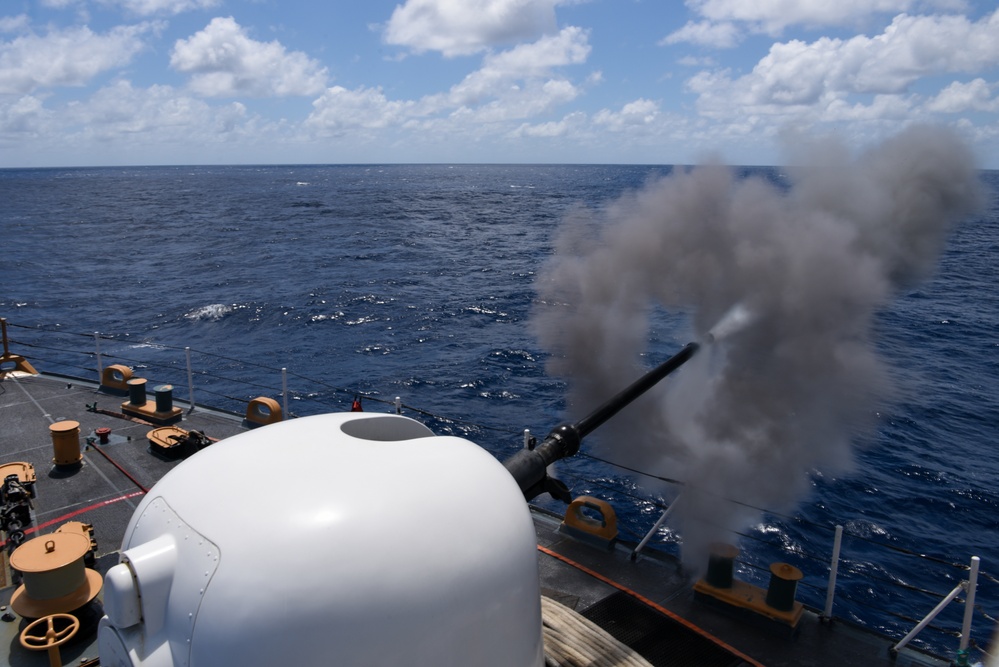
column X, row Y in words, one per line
column 529, row 467
column 188, row 590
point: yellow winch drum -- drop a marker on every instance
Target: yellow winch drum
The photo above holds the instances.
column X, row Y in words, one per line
column 55, row 579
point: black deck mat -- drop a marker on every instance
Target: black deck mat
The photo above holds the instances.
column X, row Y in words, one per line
column 660, row 639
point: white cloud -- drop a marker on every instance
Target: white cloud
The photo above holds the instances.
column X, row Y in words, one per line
column 512, row 85
column 638, row 114
column 121, row 109
column 560, row 128
column 527, row 61
column 882, row 107
column 124, row 121
column 151, row 7
column 568, row 47
column 915, row 46
column 70, row 57
column 705, row 33
column 820, row 75
column 23, row 116
column 979, row 133
column 340, row 109
column 225, row 62
column 465, row 27
column 692, row 61
column 14, row 23
column 772, row 16
column 959, row 97
column 533, row 99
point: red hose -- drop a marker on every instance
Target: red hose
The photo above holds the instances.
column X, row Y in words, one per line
column 116, row 465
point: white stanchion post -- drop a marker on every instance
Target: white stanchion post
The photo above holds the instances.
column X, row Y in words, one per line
column 398, row 405
column 190, row 377
column 833, row 569
column 100, row 366
column 969, row 603
column 655, row 528
column 284, row 392
column 527, row 438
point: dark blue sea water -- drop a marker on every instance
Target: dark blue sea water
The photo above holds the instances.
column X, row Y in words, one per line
column 418, row 281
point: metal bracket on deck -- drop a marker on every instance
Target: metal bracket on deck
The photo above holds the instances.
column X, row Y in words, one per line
column 969, row 586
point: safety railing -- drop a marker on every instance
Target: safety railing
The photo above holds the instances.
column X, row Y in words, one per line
column 852, row 582
column 228, row 383
column 969, row 587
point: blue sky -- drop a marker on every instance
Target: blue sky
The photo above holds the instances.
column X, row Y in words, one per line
column 111, row 82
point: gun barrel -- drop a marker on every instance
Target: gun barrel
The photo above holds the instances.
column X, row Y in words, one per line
column 612, row 406
column 529, row 466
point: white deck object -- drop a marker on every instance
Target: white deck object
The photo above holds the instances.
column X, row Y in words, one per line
column 347, row 539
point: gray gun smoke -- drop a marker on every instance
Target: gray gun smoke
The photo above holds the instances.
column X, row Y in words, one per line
column 790, row 279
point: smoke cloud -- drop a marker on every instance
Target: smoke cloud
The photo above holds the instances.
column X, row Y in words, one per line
column 787, row 280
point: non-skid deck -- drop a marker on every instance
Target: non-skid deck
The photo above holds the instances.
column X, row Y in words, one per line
column 650, row 606
column 647, row 604
column 103, row 491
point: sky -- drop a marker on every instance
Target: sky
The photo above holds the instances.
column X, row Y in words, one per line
column 149, row 82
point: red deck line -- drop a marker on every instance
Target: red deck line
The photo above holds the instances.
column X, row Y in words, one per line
column 662, row 610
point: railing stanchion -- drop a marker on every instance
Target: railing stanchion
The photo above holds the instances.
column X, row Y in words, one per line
column 833, row 569
column 660, row 522
column 969, row 608
column 929, row 617
column 100, row 366
column 190, row 377
column 284, row 391
column 969, row 603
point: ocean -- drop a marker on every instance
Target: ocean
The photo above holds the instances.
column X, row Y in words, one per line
column 419, row 282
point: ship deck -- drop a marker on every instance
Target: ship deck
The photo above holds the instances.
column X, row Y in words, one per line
column 647, row 603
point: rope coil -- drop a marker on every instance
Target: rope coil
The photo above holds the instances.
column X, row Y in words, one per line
column 572, row 640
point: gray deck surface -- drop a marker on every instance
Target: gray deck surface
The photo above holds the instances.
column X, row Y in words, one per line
column 100, row 494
